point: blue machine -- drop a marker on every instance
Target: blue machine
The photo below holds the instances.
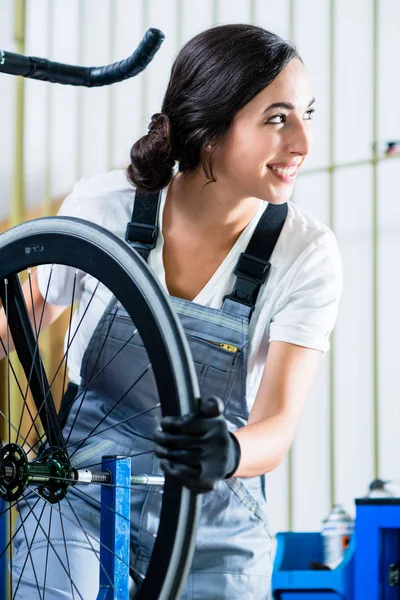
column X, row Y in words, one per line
column 377, row 560
column 370, row 569
column 293, row 578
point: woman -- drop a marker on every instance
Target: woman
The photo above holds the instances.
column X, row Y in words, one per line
column 236, row 121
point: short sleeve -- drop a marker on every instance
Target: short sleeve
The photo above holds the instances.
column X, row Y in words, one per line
column 307, row 313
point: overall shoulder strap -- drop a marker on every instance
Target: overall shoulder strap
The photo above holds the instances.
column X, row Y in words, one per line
column 253, row 266
column 142, row 230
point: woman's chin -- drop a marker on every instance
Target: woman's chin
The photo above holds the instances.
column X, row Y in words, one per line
column 281, row 196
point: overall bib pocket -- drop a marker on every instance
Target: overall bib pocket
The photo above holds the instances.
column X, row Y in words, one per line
column 220, row 362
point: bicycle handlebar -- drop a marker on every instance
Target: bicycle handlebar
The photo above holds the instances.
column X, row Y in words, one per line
column 46, row 70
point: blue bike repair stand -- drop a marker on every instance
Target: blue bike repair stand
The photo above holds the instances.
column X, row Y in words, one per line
column 115, row 530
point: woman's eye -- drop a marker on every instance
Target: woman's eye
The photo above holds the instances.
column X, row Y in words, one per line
column 277, row 119
column 309, row 114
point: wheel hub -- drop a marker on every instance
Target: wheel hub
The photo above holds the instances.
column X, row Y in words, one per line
column 53, row 472
column 13, row 472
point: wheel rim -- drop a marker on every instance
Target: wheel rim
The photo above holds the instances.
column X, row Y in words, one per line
column 90, row 248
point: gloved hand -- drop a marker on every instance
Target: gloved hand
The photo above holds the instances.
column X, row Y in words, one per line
column 198, row 449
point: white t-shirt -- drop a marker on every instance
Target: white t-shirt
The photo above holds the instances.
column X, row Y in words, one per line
column 298, row 303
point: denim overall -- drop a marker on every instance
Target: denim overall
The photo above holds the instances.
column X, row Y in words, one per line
column 233, row 545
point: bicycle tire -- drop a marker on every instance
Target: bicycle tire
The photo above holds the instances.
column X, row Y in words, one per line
column 92, row 249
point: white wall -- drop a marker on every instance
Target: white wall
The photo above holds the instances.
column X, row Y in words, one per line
column 82, row 131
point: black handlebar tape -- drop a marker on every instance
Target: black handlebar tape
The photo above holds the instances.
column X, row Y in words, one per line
column 15, row 64
column 46, row 70
column 211, row 407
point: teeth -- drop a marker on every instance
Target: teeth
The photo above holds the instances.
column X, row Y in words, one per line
column 288, row 171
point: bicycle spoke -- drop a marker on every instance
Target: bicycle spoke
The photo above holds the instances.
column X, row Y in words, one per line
column 9, row 414
column 16, row 531
column 136, row 454
column 15, row 429
column 49, row 541
column 91, row 378
column 143, row 412
column 131, row 418
column 6, row 353
column 91, row 433
column 82, row 395
column 64, row 356
column 47, row 554
column 28, row 555
column 29, row 270
column 20, row 391
column 32, row 367
column 81, row 528
column 113, row 553
column 8, row 360
column 37, row 331
column 75, row 332
column 66, row 554
column 26, row 347
column 87, row 536
column 68, row 341
column 37, row 341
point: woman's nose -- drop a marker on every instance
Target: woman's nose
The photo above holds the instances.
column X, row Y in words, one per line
column 300, row 140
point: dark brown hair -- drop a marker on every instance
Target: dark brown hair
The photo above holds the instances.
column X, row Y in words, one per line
column 215, row 74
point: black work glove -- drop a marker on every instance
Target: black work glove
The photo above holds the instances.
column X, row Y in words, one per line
column 198, row 449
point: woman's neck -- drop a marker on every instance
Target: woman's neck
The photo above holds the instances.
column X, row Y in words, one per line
column 207, row 208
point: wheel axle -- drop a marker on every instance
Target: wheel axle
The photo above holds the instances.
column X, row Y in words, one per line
column 53, row 474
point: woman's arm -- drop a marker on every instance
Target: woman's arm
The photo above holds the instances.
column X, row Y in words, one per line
column 199, row 450
column 288, row 376
column 35, row 304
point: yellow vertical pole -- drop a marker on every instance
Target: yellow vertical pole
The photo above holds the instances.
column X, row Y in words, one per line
column 111, row 91
column 47, row 199
column 18, row 188
column 45, row 337
column 144, row 76
column 79, row 92
column 11, row 403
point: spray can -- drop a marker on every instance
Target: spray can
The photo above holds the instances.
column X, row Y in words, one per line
column 337, row 529
column 377, row 489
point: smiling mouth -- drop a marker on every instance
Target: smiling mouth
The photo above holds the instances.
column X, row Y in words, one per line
column 289, row 171
column 284, row 174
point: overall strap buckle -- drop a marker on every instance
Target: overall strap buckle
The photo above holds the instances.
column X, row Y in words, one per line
column 251, row 272
column 253, row 266
column 141, row 231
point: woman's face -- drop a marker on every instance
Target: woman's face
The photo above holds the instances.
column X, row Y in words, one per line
column 269, row 139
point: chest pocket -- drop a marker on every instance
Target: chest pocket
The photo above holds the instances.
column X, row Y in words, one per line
column 218, row 362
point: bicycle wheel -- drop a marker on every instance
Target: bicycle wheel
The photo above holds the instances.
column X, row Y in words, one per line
column 39, row 472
